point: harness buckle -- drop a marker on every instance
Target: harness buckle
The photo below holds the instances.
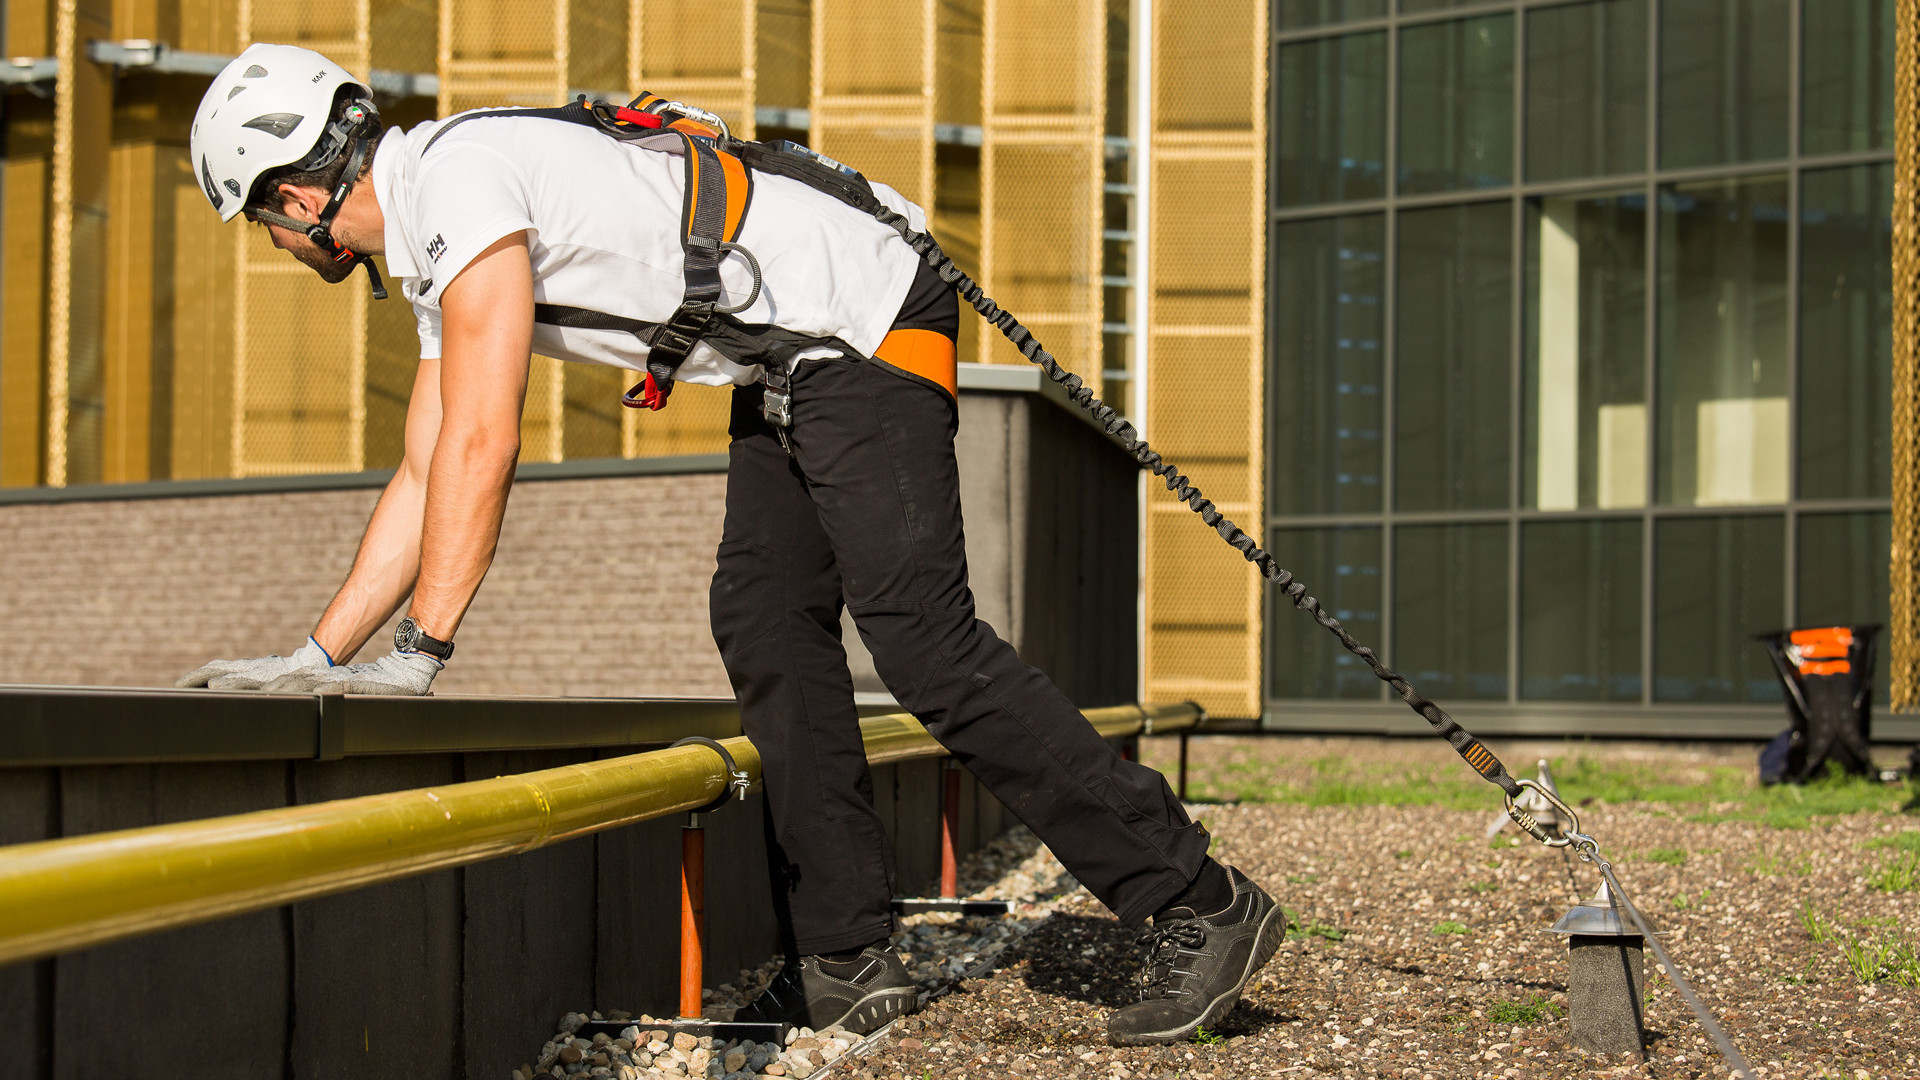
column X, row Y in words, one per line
column 777, row 402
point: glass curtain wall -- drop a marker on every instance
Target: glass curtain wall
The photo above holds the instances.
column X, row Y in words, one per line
column 1580, row 361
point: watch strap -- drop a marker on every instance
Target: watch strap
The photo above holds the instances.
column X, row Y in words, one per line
column 408, row 637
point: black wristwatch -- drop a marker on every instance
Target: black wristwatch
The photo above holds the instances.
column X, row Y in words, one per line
column 408, row 637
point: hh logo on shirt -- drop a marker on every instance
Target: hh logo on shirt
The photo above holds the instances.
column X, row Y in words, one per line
column 436, row 247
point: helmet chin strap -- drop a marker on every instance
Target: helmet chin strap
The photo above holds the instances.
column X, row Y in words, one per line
column 321, row 231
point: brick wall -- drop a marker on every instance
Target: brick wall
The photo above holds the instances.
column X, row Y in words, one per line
column 599, row 587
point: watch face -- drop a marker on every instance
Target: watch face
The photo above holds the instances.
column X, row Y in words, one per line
column 406, row 635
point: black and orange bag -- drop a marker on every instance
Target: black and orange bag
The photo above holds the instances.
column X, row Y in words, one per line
column 1828, row 675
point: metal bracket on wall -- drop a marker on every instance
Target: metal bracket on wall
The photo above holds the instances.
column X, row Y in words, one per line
column 38, row 74
column 35, row 74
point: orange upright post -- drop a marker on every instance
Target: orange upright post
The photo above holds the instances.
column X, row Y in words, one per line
column 693, row 914
column 949, row 829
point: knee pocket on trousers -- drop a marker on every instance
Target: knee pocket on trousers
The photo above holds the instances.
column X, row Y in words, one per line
column 1153, row 830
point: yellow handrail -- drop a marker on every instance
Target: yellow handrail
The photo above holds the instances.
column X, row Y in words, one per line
column 71, row 893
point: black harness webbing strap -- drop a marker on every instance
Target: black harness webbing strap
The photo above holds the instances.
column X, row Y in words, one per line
column 588, row 319
column 718, row 190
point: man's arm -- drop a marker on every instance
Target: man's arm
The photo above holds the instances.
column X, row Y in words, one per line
column 487, row 339
column 389, row 558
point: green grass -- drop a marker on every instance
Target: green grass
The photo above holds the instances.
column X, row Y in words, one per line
column 1904, row 840
column 1818, row 927
column 1725, row 792
column 1670, row 856
column 1299, row 928
column 1878, row 954
column 1451, row 927
column 1207, row 1038
column 1537, row 1010
column 1899, row 874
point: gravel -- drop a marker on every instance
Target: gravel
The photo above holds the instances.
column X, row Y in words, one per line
column 1418, row 949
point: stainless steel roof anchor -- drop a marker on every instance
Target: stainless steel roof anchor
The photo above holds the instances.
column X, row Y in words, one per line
column 1606, row 977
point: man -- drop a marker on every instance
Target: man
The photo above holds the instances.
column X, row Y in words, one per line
column 511, row 230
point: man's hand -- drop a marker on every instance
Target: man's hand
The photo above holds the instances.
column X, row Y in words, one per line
column 405, row 673
column 254, row 674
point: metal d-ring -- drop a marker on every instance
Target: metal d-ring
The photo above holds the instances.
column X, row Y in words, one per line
column 737, row 779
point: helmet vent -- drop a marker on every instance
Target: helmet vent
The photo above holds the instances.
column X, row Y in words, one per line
column 213, row 192
column 235, row 92
column 279, row 125
column 233, row 186
column 255, row 72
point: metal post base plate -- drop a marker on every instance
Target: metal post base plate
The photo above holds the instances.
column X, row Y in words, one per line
column 993, row 909
column 696, row 1026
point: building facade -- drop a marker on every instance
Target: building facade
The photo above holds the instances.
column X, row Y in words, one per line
column 1579, row 350
column 141, row 341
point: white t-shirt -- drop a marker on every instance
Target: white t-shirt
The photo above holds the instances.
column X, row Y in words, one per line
column 603, row 222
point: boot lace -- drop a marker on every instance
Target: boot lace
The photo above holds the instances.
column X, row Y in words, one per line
column 1164, row 944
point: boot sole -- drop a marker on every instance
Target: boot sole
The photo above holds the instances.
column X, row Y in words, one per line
column 1273, row 930
column 878, row 1009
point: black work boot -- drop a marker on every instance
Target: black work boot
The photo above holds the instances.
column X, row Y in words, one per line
column 860, row 994
column 1197, row 965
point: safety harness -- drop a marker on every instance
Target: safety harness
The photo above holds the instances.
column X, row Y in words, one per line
column 719, row 189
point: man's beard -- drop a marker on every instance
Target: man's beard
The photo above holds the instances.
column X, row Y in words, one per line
column 332, row 270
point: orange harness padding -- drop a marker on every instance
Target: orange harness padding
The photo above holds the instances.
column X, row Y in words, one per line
column 1822, row 651
column 926, row 353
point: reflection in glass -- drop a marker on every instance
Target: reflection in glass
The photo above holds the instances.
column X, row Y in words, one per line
column 1717, row 584
column 1723, row 343
column 1456, row 104
column 1846, row 332
column 1453, row 358
column 1450, row 609
column 1585, row 392
column 1580, row 610
column 1331, row 136
column 1587, row 90
column 1340, row 567
column 1842, row 579
column 1328, row 277
column 1723, row 81
column 1294, row 14
column 1846, row 102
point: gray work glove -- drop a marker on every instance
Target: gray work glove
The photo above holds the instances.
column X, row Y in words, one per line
column 395, row 673
column 257, row 673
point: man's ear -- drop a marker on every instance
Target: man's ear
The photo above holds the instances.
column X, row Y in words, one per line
column 301, row 203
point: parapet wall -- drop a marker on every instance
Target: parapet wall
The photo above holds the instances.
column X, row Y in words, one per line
column 600, row 584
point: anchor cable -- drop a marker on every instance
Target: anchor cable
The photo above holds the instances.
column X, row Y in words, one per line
column 1469, row 748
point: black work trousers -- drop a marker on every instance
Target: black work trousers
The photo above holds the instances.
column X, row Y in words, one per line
column 867, row 509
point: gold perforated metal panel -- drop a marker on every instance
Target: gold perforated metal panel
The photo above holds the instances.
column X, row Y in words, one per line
column 700, row 53
column 1043, row 91
column 502, row 52
column 695, row 422
column 1905, row 561
column 873, row 90
column 23, row 288
column 1206, row 294
column 300, row 344
column 955, row 213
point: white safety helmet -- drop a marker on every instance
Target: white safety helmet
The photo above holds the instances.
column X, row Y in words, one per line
column 272, row 106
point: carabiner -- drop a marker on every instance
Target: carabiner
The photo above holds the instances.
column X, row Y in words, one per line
column 1535, row 829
